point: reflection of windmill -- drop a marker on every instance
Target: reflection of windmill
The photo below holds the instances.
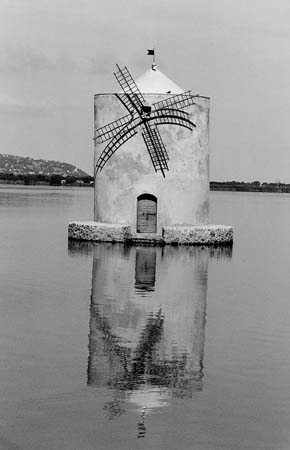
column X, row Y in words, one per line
column 167, row 111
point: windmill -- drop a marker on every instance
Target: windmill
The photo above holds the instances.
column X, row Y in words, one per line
column 148, row 117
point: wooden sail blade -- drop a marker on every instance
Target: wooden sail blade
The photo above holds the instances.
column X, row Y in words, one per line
column 155, row 147
column 113, row 145
column 172, row 117
column 109, row 131
column 130, row 102
column 177, row 101
column 129, row 88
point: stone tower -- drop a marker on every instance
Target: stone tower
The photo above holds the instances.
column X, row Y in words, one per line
column 129, row 192
column 133, row 202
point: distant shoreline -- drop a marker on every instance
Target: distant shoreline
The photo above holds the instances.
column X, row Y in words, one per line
column 250, row 187
column 45, row 185
column 46, row 180
column 214, row 185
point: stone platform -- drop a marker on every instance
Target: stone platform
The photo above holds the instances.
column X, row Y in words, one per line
column 174, row 235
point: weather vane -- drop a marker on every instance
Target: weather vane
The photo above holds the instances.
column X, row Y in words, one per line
column 152, row 53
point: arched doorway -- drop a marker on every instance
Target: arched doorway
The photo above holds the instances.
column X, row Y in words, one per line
column 146, row 213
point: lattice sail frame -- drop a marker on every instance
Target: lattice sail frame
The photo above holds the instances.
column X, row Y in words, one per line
column 167, row 111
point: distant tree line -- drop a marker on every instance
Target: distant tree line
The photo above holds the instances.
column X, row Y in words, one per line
column 254, row 186
column 53, row 179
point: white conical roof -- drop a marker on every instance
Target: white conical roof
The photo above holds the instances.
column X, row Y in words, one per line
column 155, row 82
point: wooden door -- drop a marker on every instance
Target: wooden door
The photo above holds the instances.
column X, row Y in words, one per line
column 146, row 214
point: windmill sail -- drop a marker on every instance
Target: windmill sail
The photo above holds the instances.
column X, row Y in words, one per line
column 113, row 145
column 129, row 102
column 172, row 117
column 167, row 111
column 178, row 101
column 132, row 97
column 110, row 130
column 156, row 148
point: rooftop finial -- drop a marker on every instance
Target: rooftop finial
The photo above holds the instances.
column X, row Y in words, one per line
column 152, row 53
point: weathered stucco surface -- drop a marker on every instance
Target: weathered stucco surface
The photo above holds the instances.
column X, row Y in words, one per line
column 182, row 197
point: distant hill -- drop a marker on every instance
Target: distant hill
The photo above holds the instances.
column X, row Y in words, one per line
column 19, row 165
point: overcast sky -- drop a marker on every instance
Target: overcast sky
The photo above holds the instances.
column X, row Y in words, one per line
column 56, row 54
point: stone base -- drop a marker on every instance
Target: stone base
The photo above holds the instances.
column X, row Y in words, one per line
column 198, row 235
column 177, row 235
column 98, row 231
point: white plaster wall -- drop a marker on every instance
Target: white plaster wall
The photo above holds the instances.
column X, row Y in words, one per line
column 183, row 196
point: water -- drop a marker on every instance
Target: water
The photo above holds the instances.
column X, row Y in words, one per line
column 108, row 347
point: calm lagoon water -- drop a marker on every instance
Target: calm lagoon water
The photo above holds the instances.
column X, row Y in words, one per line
column 108, row 347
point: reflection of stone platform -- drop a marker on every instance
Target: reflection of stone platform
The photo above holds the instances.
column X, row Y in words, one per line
column 174, row 235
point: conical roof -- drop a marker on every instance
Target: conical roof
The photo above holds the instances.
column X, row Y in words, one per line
column 155, row 82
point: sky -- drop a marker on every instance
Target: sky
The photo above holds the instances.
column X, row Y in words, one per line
column 56, row 54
